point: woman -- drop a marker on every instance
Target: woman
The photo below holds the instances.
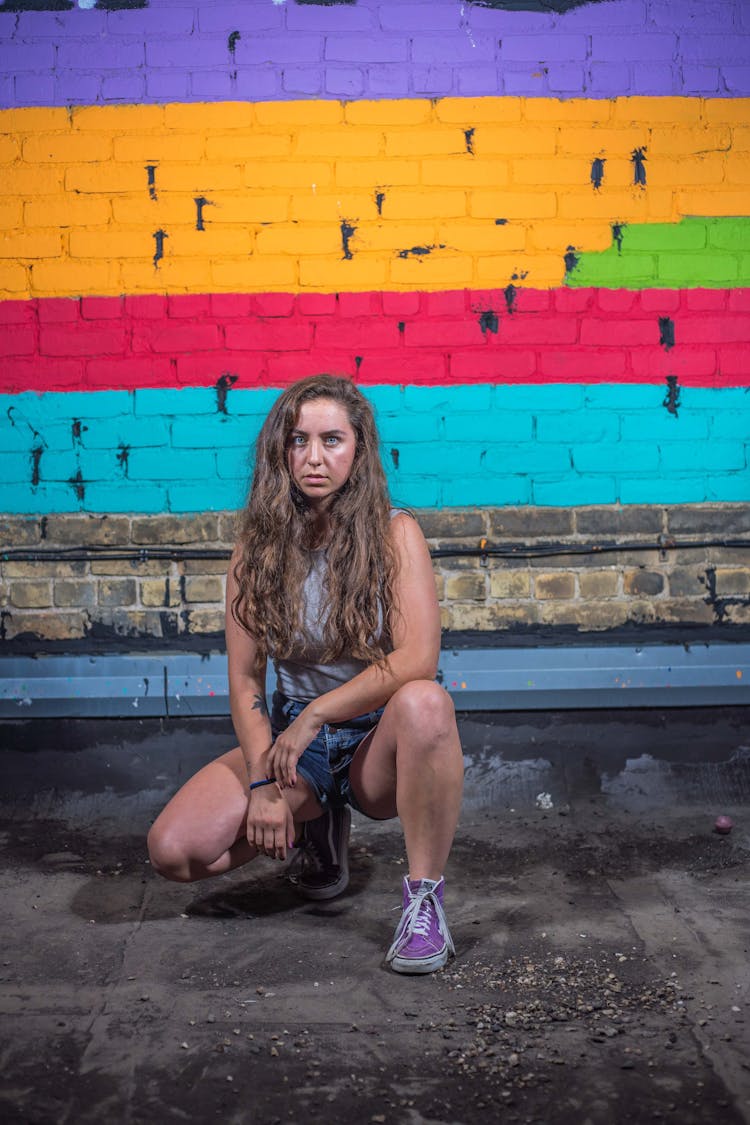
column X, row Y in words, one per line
column 337, row 588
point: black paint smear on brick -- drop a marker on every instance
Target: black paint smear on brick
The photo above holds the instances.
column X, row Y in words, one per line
column 718, row 604
column 488, row 322
column 77, row 430
column 151, row 173
column 379, row 200
column 169, row 624
column 597, row 171
column 469, row 138
column 571, row 259
column 521, row 275
column 358, row 362
column 37, row 6
column 395, row 455
column 78, row 485
column 5, row 615
column 510, row 292
column 347, row 231
column 181, row 587
column 639, row 166
column 200, row 203
column 617, row 233
column 401, row 325
column 666, row 332
column 118, row 5
column 232, row 42
column 36, row 456
column 159, row 237
column 532, row 5
column 123, row 454
column 672, row 397
column 501, row 222
column 420, row 251
column 108, row 639
column 43, row 527
column 223, row 386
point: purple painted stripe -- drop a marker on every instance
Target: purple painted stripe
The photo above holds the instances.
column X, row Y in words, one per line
column 262, row 51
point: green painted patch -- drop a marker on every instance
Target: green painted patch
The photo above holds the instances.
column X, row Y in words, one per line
column 694, row 253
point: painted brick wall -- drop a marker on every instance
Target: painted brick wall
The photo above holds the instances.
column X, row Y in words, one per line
column 522, row 228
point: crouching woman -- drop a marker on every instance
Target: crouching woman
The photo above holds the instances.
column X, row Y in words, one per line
column 335, row 587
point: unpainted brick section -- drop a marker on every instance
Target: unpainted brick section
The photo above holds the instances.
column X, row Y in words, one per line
column 74, row 593
column 590, row 592
column 31, row 595
column 207, row 588
column 597, row 584
column 462, row 587
column 643, row 581
column 554, row 586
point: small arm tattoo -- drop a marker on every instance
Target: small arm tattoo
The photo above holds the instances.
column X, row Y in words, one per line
column 260, row 705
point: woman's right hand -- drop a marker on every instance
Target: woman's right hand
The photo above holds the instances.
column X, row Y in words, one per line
column 270, row 824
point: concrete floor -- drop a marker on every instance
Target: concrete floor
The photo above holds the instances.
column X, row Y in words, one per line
column 601, row 925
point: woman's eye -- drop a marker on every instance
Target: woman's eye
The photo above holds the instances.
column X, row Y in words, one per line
column 331, row 440
column 297, row 439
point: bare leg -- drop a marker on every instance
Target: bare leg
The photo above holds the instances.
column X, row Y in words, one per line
column 412, row 766
column 201, row 832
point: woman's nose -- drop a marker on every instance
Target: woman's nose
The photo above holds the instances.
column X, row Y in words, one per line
column 313, row 453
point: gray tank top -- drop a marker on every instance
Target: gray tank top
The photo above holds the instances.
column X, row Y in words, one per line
column 302, row 676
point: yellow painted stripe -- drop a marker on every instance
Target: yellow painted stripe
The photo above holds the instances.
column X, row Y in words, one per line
column 292, row 188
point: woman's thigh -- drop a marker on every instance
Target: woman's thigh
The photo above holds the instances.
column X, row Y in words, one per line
column 372, row 773
column 209, row 813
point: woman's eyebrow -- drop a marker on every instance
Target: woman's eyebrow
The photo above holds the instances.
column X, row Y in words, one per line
column 323, row 433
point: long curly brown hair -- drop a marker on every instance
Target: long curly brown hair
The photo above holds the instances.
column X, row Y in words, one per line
column 276, row 533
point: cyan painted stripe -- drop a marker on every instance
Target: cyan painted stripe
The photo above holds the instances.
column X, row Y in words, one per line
column 488, row 445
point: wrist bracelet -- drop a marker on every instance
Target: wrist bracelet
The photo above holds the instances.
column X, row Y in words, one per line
column 257, row 784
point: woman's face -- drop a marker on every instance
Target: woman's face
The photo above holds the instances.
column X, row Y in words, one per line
column 321, row 450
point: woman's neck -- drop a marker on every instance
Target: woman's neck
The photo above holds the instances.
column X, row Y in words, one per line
column 320, row 530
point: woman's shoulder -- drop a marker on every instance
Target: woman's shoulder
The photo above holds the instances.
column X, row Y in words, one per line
column 406, row 534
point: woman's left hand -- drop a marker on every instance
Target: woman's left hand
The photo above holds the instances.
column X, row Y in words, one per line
column 289, row 747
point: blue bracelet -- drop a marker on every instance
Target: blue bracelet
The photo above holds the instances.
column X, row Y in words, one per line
column 257, row 784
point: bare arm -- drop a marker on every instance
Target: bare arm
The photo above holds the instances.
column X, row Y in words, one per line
column 247, row 688
column 270, row 827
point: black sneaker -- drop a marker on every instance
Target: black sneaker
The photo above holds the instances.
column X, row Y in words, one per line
column 323, row 855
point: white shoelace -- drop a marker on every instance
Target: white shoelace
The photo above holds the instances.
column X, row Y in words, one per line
column 416, row 920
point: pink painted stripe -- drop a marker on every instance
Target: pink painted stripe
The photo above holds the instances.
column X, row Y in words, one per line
column 702, row 336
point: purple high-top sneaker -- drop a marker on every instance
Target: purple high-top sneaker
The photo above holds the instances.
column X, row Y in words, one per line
column 422, row 942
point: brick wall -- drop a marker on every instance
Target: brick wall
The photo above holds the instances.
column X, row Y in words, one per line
column 558, row 573
column 522, row 229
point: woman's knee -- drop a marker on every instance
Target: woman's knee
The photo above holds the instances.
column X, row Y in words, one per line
column 167, row 854
column 425, row 708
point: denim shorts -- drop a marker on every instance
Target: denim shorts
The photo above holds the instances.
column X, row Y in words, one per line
column 326, row 761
